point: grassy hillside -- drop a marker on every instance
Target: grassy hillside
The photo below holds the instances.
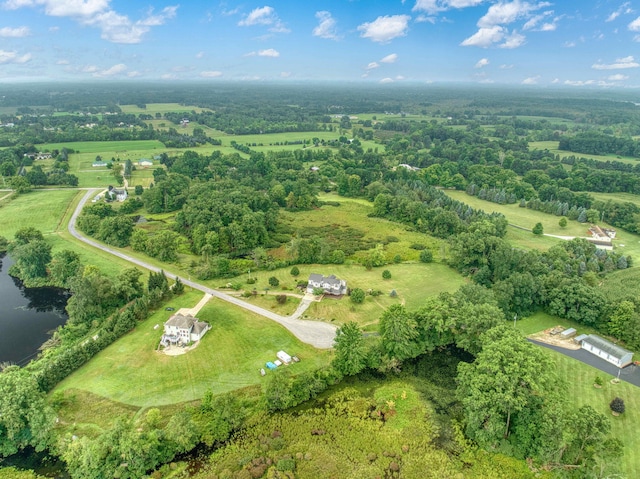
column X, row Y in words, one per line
column 229, row 357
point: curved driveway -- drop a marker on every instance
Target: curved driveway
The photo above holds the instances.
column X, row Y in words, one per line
column 315, row 333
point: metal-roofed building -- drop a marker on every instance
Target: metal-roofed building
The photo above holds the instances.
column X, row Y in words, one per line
column 606, row 350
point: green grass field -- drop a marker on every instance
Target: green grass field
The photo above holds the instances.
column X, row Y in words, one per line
column 579, row 378
column 627, row 243
column 229, row 357
column 42, row 209
column 552, row 146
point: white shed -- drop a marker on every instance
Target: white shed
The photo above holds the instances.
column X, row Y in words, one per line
column 284, row 357
column 607, row 350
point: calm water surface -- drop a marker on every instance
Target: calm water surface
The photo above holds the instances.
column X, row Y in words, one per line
column 28, row 316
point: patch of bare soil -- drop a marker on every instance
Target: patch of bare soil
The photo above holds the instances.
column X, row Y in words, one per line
column 554, row 339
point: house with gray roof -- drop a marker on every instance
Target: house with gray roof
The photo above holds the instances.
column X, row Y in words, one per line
column 329, row 284
column 606, row 350
column 183, row 329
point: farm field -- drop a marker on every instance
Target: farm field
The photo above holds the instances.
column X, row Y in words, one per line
column 552, row 146
column 153, row 108
column 42, row 209
column 617, row 197
column 89, row 176
column 229, row 357
column 625, row 242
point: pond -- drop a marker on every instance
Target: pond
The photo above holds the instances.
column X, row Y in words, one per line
column 28, row 316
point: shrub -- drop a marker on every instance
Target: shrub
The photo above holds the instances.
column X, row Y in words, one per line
column 426, row 256
column 318, row 291
column 392, row 239
column 598, row 381
column 138, row 190
column 538, row 229
column 357, row 295
column 386, row 274
column 252, row 280
column 281, row 298
column 417, row 246
column 397, row 259
column 617, row 405
column 563, row 222
column 393, row 293
column 295, row 271
column 273, row 281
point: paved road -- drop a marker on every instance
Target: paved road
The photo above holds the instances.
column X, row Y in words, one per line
column 630, row 374
column 315, row 333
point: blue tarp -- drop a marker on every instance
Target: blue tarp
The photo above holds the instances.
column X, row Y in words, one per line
column 270, row 365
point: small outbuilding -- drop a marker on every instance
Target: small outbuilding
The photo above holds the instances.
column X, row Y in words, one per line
column 606, row 350
column 284, row 357
column 568, row 333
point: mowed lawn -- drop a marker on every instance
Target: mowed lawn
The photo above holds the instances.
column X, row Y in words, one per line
column 413, row 283
column 42, row 209
column 579, row 378
column 229, row 357
column 153, row 108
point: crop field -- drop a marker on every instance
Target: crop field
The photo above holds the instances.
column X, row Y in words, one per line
column 153, row 108
column 229, row 357
column 617, row 197
column 552, row 146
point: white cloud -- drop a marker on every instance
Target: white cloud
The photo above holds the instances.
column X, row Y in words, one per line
column 425, row 19
column 200, row 55
column 434, row 6
column 211, row 74
column 619, row 64
column 387, row 80
column 504, row 66
column 491, row 27
column 390, row 58
column 483, row 62
column 513, row 40
column 19, row 32
column 270, row 52
column 90, row 69
column 618, row 77
column 569, row 44
column 62, row 8
column 115, row 27
column 264, row 16
column 635, row 25
column 63, row 62
column 624, row 9
column 485, row 37
column 587, row 83
column 326, row 27
column 13, row 57
column 134, row 74
column 531, row 80
column 373, row 65
column 384, row 29
column 285, row 74
column 555, row 81
column 109, row 72
column 260, row 16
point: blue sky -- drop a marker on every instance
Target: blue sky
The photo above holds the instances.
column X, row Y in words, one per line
column 579, row 43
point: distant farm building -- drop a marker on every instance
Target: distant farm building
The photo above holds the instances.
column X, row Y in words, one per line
column 145, row 163
column 116, row 194
column 99, row 163
column 329, row 284
column 606, row 350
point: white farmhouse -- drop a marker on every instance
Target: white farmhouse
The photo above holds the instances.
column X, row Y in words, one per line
column 183, row 329
column 329, row 284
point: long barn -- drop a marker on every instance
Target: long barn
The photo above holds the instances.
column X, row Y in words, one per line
column 606, row 350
